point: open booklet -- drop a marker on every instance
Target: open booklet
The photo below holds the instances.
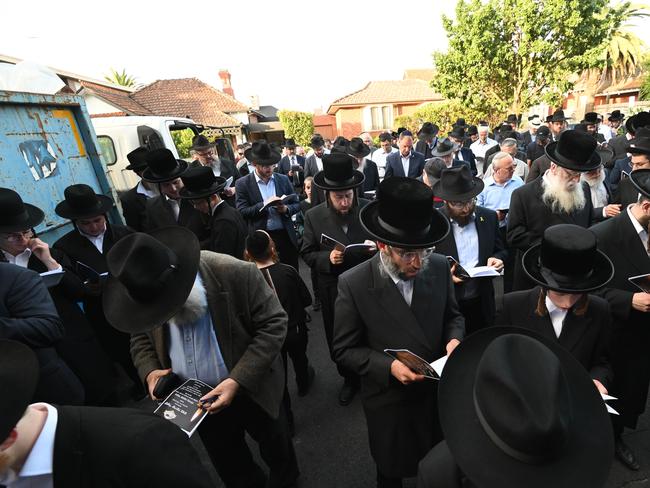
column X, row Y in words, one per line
column 89, row 275
column 182, row 408
column 52, row 278
column 417, row 364
column 642, row 282
column 606, row 398
column 283, row 200
column 367, row 246
column 476, row 272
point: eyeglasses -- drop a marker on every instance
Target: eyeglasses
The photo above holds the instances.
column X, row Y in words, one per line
column 465, row 204
column 18, row 236
column 507, row 169
column 408, row 256
column 572, row 175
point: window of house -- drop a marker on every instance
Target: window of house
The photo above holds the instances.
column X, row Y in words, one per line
column 380, row 117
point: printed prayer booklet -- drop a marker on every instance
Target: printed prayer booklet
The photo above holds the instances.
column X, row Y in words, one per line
column 89, row 275
column 52, row 278
column 228, row 182
column 283, row 200
column 476, row 272
column 417, row 364
column 332, row 243
column 642, row 282
column 182, row 406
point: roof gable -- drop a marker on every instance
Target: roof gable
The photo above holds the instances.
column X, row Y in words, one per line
column 121, row 99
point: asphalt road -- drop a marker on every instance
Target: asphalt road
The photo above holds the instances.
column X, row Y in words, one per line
column 331, row 441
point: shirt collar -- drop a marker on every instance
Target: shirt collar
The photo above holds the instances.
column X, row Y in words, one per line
column 39, row 461
column 258, row 179
column 12, row 259
column 472, row 218
column 93, row 238
column 142, row 190
column 637, row 226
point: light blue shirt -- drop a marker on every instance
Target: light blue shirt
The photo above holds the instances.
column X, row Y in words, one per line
column 194, row 350
column 37, row 470
column 497, row 197
column 274, row 221
column 467, row 246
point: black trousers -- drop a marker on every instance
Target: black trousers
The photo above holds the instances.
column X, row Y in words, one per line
column 508, row 263
column 295, row 347
column 328, row 291
column 223, row 437
column 287, row 252
column 314, row 284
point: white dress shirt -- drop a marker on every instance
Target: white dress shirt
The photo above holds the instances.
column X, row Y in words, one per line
column 640, row 231
column 379, row 157
column 557, row 316
column 19, row 259
column 480, row 148
column 97, row 241
column 175, row 206
column 142, row 190
column 37, row 470
column 405, row 164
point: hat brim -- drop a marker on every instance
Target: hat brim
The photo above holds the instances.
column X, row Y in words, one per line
column 640, row 178
column 274, row 158
column 64, row 210
column 34, row 217
column 148, row 175
column 438, row 229
column 603, row 272
column 633, row 149
column 357, row 179
column 551, row 151
column 132, row 316
column 436, row 154
column 587, row 457
column 364, row 152
column 201, row 147
column 186, row 194
column 440, row 192
column 136, row 167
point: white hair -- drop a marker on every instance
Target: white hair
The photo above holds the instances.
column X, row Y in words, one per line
column 561, row 198
column 483, row 128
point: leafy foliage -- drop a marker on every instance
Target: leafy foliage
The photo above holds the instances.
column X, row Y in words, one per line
column 183, row 141
column 444, row 115
column 120, row 78
column 298, row 126
column 507, row 55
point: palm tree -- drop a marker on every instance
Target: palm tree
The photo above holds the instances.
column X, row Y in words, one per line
column 122, row 79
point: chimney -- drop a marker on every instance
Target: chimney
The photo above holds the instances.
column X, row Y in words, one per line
column 255, row 102
column 224, row 74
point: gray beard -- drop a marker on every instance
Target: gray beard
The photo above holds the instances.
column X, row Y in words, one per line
column 193, row 308
column 388, row 269
column 561, row 200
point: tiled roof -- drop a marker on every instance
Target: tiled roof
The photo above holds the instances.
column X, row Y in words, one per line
column 419, row 74
column 398, row 91
column 630, row 84
column 119, row 98
column 190, row 97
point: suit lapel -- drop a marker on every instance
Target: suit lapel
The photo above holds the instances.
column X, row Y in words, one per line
column 573, row 329
column 634, row 252
column 256, row 194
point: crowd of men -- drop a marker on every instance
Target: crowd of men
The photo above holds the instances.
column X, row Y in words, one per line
column 507, row 252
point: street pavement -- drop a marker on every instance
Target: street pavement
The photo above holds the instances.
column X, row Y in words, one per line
column 331, row 441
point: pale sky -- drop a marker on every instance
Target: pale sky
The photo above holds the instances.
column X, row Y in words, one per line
column 294, row 54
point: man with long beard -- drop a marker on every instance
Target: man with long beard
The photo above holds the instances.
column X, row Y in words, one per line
column 558, row 197
column 601, row 194
column 338, row 218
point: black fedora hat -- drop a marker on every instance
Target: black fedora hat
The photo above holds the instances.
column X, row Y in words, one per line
column 517, row 409
column 262, row 153
column 137, row 159
column 403, row 215
column 16, row 215
column 460, row 122
column 163, row 166
column 358, row 148
column 512, row 119
column 457, row 185
column 616, row 115
column 200, row 182
column 317, row 142
column 200, row 143
column 641, row 119
column 567, row 260
column 472, row 130
column 641, row 180
column 591, row 118
column 457, row 132
column 338, row 173
column 639, row 145
column 18, row 379
column 151, row 276
column 290, row 143
column 558, row 116
column 543, row 133
column 81, row 202
column 574, row 150
column 428, row 129
column 444, row 147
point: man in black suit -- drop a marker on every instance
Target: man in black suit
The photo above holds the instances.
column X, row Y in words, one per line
column 314, row 162
column 134, row 201
column 164, row 170
column 292, row 165
column 402, row 298
column 360, row 151
column 79, row 447
column 530, row 136
column 601, row 194
column 460, row 153
column 338, row 218
column 205, row 154
column 624, row 239
column 259, row 199
column 557, row 197
column 227, row 227
column 87, row 244
column 406, row 162
column 535, row 150
column 639, row 150
column 427, row 139
column 474, row 240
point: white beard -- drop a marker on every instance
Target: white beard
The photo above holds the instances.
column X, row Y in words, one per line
column 559, row 199
column 598, row 191
column 194, row 307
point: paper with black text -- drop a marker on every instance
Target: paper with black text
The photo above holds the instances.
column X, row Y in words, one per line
column 181, row 407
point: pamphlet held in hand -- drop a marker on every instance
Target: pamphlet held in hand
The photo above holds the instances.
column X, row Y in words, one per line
column 330, row 242
column 182, row 406
column 642, row 282
column 416, row 363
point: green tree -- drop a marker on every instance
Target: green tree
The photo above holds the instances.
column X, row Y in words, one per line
column 298, row 126
column 506, row 55
column 645, row 86
column 183, row 141
column 120, row 78
column 444, row 115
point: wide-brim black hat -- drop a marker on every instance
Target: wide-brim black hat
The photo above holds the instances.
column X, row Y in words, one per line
column 263, row 154
column 457, row 184
column 428, row 129
column 200, row 182
column 200, row 142
column 16, row 215
column 616, row 115
column 638, row 145
column 162, row 166
column 134, row 306
column 558, row 116
column 18, row 379
column 290, row 143
column 137, row 159
column 358, row 148
column 81, row 202
column 641, row 180
column 587, row 454
column 568, row 261
column 574, row 150
column 402, row 215
column 444, row 148
column 338, row 173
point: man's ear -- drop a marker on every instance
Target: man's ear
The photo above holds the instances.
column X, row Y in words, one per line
column 10, row 440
